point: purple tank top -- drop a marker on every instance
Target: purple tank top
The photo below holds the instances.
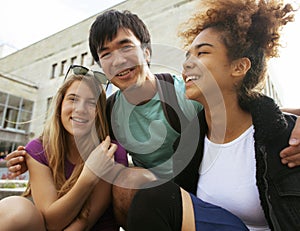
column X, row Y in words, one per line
column 106, row 222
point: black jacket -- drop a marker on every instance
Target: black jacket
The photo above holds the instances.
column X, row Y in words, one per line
column 278, row 185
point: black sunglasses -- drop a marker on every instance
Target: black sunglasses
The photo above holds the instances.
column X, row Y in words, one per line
column 81, row 70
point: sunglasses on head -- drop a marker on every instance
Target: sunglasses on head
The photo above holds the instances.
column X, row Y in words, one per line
column 81, row 70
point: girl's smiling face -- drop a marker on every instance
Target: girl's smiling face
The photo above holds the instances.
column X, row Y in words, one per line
column 78, row 109
column 207, row 69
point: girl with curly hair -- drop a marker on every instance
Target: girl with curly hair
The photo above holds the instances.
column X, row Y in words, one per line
column 236, row 165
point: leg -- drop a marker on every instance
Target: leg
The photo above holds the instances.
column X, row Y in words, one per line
column 125, row 186
column 18, row 213
column 188, row 217
column 157, row 208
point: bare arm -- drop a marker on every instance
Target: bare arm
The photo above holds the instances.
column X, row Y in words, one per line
column 295, row 111
column 69, row 205
column 96, row 206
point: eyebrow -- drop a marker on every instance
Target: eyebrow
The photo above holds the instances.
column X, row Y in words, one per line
column 198, row 46
column 123, row 41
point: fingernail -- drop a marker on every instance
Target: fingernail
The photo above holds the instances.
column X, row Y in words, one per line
column 291, row 165
column 294, row 141
column 284, row 161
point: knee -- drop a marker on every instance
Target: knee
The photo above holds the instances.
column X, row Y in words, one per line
column 19, row 212
column 16, row 205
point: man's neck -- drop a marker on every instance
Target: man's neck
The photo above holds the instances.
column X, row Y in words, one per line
column 138, row 95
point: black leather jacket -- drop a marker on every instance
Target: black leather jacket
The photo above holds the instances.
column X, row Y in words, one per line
column 278, row 185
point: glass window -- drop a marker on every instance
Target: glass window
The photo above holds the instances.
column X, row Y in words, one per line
column 84, row 59
column 53, row 73
column 14, row 101
column 11, row 118
column 27, row 105
column 15, row 112
column 24, row 121
column 63, row 68
column 73, row 60
column 2, row 108
column 49, row 101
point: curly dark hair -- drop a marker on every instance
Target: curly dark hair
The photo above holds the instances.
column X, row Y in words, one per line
column 249, row 28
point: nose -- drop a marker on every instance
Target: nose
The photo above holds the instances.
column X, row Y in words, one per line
column 118, row 58
column 188, row 63
column 80, row 107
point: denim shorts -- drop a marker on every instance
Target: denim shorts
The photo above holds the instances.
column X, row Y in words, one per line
column 209, row 217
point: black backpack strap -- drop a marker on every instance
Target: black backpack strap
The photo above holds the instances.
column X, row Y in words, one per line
column 109, row 106
column 171, row 108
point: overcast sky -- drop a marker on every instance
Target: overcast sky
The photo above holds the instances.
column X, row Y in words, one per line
column 23, row 22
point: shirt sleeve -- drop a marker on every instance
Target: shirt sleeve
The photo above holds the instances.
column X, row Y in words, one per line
column 121, row 154
column 35, row 149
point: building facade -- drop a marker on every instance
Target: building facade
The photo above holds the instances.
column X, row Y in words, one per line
column 30, row 77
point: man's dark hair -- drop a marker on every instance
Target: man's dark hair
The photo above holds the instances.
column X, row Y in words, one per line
column 106, row 26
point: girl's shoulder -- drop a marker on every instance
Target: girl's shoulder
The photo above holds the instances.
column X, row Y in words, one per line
column 36, row 150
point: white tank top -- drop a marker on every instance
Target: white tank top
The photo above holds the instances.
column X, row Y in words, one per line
column 227, row 179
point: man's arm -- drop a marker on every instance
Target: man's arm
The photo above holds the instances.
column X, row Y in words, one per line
column 291, row 154
column 295, row 111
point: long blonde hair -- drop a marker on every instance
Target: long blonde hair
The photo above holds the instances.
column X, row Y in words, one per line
column 55, row 137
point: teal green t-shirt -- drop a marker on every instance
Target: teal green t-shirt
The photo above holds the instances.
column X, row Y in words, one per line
column 145, row 132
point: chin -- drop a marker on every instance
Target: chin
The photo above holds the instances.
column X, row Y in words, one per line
column 189, row 94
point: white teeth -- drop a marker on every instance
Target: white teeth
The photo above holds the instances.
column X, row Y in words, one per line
column 123, row 73
column 79, row 120
column 190, row 78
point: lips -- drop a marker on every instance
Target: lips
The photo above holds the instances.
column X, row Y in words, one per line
column 192, row 78
column 125, row 73
column 79, row 120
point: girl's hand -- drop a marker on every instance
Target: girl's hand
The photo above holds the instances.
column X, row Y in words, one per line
column 100, row 162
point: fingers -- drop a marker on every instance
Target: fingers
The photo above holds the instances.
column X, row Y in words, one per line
column 110, row 147
column 16, row 154
column 15, row 158
column 295, row 135
column 291, row 156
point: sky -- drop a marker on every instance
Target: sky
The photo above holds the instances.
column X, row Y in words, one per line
column 25, row 22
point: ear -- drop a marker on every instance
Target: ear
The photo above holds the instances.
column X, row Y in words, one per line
column 240, row 67
column 147, row 55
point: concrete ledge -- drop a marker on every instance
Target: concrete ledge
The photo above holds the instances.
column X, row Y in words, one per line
column 12, row 187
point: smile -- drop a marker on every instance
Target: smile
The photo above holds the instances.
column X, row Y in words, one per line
column 79, row 120
column 125, row 72
column 192, row 78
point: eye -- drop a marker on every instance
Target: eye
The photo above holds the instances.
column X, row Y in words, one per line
column 104, row 55
column 127, row 48
column 201, row 53
column 91, row 103
column 72, row 98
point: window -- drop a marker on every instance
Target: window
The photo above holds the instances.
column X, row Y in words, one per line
column 49, row 101
column 63, row 68
column 84, row 59
column 53, row 73
column 73, row 60
column 93, row 61
column 15, row 112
